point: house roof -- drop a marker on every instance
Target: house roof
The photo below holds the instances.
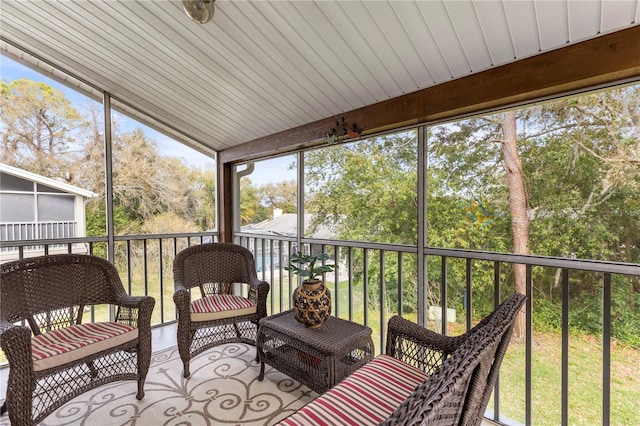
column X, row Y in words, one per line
column 34, row 177
column 287, row 224
column 262, row 67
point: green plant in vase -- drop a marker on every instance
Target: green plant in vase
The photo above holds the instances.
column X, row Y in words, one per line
column 308, row 266
column 312, row 299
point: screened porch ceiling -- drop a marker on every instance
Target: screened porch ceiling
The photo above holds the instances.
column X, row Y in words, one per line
column 262, row 67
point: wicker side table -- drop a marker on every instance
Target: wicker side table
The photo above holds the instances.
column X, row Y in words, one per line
column 318, row 358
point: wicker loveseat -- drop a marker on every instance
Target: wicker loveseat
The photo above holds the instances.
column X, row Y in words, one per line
column 424, row 378
column 58, row 356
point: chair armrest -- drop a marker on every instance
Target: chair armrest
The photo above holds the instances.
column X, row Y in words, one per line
column 181, row 297
column 419, row 346
column 135, row 310
column 258, row 291
column 132, row 302
column 15, row 341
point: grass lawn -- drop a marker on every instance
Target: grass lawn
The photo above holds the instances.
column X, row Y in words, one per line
column 585, row 382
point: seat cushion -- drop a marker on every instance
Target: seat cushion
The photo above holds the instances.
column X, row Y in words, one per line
column 366, row 397
column 58, row 347
column 221, row 306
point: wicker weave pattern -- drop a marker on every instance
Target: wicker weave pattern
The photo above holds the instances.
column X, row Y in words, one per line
column 50, row 292
column 318, row 358
column 461, row 373
column 212, row 268
column 458, row 391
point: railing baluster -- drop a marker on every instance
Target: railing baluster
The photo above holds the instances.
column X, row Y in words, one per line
column 365, row 286
column 565, row 348
column 129, row 268
column 280, row 276
column 350, row 260
column 336, row 281
column 144, row 269
column 400, row 284
column 528, row 348
column 383, row 293
column 496, row 302
column 161, row 275
column 468, row 294
column 606, row 350
column 443, row 295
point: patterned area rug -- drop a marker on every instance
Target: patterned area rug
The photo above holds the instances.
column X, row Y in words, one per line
column 223, row 389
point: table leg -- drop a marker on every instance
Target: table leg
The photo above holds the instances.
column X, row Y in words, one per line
column 260, row 353
column 261, row 375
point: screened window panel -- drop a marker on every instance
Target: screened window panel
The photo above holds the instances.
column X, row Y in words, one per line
column 14, row 183
column 55, row 208
column 45, row 188
column 17, row 208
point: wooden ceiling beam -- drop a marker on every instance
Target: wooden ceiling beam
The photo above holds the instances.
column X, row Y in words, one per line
column 599, row 61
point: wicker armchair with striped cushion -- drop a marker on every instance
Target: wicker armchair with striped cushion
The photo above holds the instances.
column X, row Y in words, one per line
column 58, row 356
column 424, row 378
column 215, row 315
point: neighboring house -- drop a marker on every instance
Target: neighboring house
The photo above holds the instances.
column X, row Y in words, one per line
column 286, row 224
column 283, row 224
column 34, row 207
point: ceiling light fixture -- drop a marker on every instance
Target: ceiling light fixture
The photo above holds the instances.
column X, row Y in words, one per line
column 200, row 11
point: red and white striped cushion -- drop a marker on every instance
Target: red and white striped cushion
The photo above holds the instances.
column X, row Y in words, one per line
column 58, row 347
column 366, row 397
column 221, row 306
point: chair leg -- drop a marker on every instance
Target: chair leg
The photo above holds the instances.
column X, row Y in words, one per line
column 92, row 369
column 185, row 337
column 140, row 394
column 235, row 325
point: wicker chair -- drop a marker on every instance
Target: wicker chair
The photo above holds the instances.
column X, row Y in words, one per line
column 217, row 316
column 429, row 378
column 457, row 391
column 58, row 357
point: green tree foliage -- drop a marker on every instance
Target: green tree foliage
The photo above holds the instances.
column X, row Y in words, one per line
column 581, row 163
column 279, row 195
column 146, row 183
column 366, row 191
column 203, row 201
column 251, row 211
column 43, row 133
column 39, row 127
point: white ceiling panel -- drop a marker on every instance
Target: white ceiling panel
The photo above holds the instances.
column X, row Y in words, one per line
column 616, row 14
column 373, row 49
column 553, row 23
column 434, row 67
column 262, row 67
column 523, row 27
column 400, row 52
column 439, row 24
column 465, row 22
column 496, row 31
column 584, row 18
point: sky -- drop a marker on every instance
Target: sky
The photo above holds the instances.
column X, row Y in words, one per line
column 273, row 170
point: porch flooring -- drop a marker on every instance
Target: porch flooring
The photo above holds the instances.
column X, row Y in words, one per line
column 163, row 337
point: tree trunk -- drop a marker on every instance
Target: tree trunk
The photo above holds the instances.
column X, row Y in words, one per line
column 517, row 208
